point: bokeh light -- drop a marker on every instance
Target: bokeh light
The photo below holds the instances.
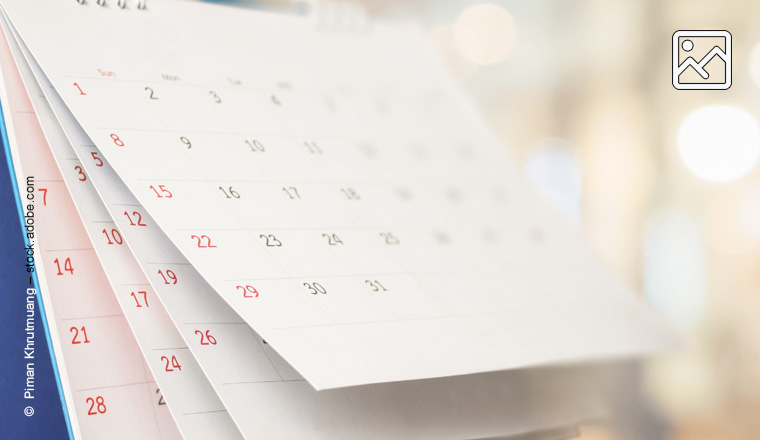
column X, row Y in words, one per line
column 442, row 39
column 753, row 64
column 484, row 34
column 674, row 267
column 555, row 171
column 728, row 221
column 749, row 217
column 719, row 143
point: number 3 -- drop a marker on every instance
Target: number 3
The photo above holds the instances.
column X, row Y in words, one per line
column 82, row 176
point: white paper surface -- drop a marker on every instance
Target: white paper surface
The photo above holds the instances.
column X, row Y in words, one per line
column 472, row 273
column 250, row 375
column 448, row 262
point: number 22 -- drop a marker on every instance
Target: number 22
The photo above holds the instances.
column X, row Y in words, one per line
column 203, row 241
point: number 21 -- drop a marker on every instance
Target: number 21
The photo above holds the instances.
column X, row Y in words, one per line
column 75, row 340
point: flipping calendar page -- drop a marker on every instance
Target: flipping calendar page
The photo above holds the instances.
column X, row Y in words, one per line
column 196, row 408
column 105, row 385
column 333, row 189
column 244, row 371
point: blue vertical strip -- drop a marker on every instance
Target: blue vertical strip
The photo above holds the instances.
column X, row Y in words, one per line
column 50, row 418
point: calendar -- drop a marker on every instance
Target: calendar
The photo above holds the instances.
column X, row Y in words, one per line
column 252, row 225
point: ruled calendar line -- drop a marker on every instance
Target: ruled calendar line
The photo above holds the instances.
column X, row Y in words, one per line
column 379, row 321
column 143, row 382
column 266, row 181
column 344, row 276
column 311, row 229
column 116, row 315
column 172, row 264
column 253, row 382
column 205, row 412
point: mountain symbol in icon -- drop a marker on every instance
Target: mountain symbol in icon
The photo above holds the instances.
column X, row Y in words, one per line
column 700, row 67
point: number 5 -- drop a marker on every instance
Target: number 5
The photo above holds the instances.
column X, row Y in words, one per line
column 98, row 161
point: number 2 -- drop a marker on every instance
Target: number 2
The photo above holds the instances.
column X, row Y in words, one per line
column 152, row 95
column 161, row 400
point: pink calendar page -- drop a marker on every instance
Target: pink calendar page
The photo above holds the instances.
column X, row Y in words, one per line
column 194, row 403
column 106, row 384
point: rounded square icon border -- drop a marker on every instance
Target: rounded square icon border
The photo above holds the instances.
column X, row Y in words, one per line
column 703, row 33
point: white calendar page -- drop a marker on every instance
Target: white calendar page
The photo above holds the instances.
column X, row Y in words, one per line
column 249, row 375
column 375, row 231
column 197, row 409
column 109, row 391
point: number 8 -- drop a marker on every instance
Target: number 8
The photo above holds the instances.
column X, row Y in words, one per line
column 116, row 140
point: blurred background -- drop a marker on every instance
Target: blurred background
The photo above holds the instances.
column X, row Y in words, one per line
column 662, row 183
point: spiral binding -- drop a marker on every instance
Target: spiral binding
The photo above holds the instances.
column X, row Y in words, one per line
column 121, row 4
column 332, row 14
